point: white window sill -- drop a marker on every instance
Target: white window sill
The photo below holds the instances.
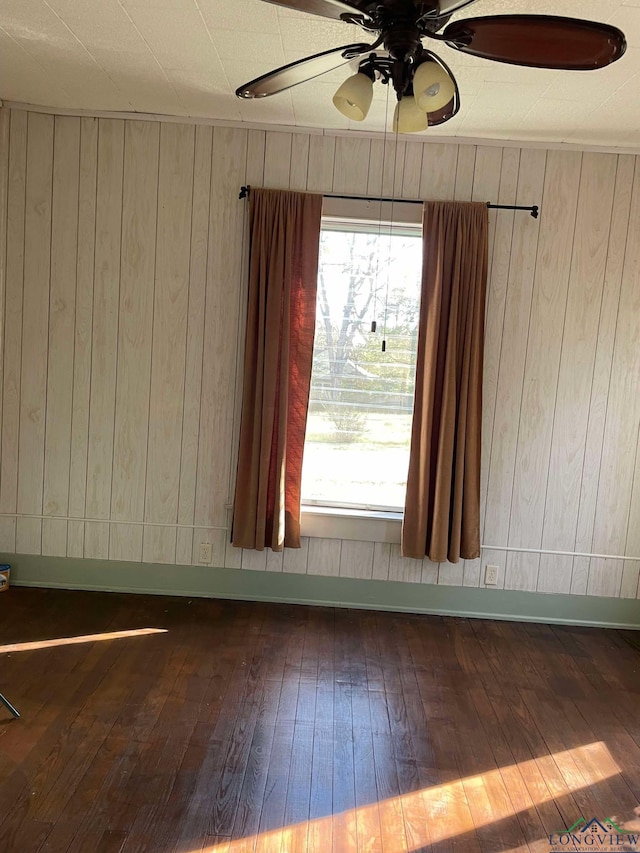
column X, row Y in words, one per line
column 363, row 525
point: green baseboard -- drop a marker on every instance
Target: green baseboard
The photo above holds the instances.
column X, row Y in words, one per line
column 207, row 582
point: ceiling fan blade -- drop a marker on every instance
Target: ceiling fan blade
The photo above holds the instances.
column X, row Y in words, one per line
column 325, row 8
column 300, row 71
column 538, row 41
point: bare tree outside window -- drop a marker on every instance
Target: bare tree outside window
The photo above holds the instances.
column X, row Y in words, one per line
column 361, row 398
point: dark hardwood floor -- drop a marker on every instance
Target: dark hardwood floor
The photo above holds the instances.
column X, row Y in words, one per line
column 253, row 727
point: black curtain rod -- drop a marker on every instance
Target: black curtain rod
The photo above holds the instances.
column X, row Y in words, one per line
column 533, row 209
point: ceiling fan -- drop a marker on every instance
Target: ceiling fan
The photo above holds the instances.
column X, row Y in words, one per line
column 426, row 90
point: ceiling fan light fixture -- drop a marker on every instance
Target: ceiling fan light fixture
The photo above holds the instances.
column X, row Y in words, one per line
column 396, row 57
column 432, row 86
column 407, row 118
column 353, row 98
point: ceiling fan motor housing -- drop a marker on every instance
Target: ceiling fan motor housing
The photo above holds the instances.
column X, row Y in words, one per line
column 400, row 29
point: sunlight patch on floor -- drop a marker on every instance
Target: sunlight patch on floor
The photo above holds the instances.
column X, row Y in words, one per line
column 72, row 641
column 432, row 815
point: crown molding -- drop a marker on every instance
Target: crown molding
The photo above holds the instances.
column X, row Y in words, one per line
column 547, row 145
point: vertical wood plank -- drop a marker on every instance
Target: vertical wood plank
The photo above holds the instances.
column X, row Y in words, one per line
column 254, row 561
column 385, row 169
column 430, row 572
column 496, row 295
column 195, row 339
column 221, row 328
column 275, row 561
column 233, row 556
column 16, row 180
column 605, row 577
column 632, row 540
column 64, row 235
column 486, row 187
column 630, row 577
column 580, row 575
column 322, row 151
column 464, row 173
column 88, row 171
column 324, row 557
column 548, row 307
column 351, row 166
column 135, row 323
column 96, row 540
column 104, row 333
column 471, row 572
column 255, row 166
column 412, row 171
column 393, row 172
column 504, row 433
column 256, row 144
column 381, row 561
column 577, row 359
column 277, row 159
column 438, row 174
column 404, row 568
column 378, row 154
column 75, row 538
column 356, row 559
column 299, row 161
column 451, row 574
column 169, row 339
column 295, row 559
column 33, row 379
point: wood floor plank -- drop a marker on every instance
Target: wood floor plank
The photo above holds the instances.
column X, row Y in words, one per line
column 273, row 806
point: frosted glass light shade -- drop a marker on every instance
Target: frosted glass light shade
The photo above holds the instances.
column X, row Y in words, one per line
column 407, row 118
column 354, row 97
column 433, row 87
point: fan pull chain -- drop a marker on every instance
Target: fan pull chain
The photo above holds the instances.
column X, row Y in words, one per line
column 374, row 324
column 393, row 198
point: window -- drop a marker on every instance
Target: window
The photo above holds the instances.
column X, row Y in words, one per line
column 361, row 400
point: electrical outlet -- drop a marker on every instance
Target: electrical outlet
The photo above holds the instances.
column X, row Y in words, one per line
column 491, row 575
column 205, row 552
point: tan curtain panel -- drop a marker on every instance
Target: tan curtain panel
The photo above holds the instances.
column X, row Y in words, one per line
column 442, row 512
column 283, row 270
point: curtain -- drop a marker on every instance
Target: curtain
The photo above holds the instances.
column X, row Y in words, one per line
column 284, row 230
column 442, row 511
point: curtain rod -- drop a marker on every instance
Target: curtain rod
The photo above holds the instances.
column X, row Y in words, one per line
column 533, row 209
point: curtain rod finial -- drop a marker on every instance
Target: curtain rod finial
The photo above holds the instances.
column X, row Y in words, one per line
column 244, row 192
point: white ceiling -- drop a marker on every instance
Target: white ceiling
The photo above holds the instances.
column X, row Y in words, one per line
column 187, row 57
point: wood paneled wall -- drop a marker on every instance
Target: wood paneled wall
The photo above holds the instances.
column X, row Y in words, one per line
column 122, row 286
